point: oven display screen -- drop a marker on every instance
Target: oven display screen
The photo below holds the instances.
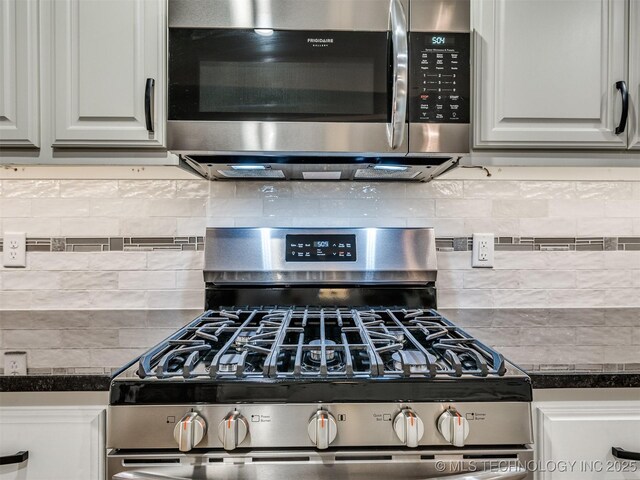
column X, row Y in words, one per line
column 320, row 248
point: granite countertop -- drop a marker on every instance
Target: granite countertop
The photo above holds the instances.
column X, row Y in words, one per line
column 78, row 383
column 575, row 379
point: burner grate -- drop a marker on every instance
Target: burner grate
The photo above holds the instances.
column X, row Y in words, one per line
column 320, row 343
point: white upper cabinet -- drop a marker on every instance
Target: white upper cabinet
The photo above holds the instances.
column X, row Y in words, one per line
column 546, row 72
column 634, row 74
column 19, row 85
column 109, row 73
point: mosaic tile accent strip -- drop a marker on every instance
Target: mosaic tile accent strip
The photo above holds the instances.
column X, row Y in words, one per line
column 112, row 244
column 629, row 243
column 529, row 244
column 443, row 244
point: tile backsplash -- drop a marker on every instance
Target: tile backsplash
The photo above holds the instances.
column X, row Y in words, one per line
column 135, row 244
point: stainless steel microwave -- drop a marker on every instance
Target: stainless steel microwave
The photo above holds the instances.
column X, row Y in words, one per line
column 343, row 78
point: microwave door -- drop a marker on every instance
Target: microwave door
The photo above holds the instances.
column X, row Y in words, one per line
column 323, row 76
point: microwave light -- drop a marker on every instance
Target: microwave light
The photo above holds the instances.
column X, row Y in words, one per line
column 392, row 168
column 248, row 167
column 265, row 32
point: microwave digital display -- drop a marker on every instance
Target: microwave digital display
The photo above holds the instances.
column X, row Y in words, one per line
column 442, row 40
column 440, row 77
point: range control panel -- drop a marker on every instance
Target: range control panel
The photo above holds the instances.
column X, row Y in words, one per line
column 440, row 77
column 320, row 248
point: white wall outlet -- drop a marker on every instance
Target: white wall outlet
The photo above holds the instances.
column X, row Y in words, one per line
column 15, row 363
column 482, row 256
column 14, row 249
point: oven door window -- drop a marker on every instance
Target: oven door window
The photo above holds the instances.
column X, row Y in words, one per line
column 266, row 75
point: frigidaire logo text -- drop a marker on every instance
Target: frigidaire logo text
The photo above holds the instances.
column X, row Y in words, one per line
column 319, row 42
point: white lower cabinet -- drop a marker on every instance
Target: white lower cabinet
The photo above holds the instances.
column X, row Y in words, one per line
column 64, row 443
column 574, row 439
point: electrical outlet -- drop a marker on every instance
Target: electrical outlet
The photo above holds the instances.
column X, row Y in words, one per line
column 15, row 363
column 14, row 246
column 482, row 256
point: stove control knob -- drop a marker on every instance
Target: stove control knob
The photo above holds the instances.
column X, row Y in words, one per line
column 453, row 427
column 322, row 429
column 409, row 428
column 189, row 431
column 232, row 430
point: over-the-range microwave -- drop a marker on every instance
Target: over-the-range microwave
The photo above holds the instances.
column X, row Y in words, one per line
column 319, row 89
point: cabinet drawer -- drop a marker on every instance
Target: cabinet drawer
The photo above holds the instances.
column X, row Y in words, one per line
column 64, row 443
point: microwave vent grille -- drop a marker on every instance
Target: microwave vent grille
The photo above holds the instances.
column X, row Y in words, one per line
column 375, row 174
column 266, row 173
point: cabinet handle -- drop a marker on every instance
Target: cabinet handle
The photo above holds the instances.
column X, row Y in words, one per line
column 624, row 455
column 149, row 93
column 624, row 94
column 13, row 459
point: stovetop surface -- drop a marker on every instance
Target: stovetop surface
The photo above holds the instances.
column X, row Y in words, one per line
column 313, row 354
column 309, row 343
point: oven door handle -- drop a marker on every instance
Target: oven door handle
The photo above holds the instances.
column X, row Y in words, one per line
column 400, row 45
column 509, row 473
column 144, row 476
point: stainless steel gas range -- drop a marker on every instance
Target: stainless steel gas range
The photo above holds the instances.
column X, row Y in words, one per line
column 320, row 355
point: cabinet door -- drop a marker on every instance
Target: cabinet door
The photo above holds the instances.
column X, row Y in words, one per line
column 545, row 73
column 634, row 74
column 19, row 77
column 104, row 52
column 574, row 439
column 64, row 443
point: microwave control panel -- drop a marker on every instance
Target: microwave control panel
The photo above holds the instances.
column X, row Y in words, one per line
column 320, row 248
column 440, row 77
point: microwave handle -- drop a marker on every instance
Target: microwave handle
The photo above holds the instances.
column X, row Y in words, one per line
column 400, row 44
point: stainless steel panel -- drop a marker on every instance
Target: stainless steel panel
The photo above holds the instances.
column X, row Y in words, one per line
column 439, row 137
column 281, row 426
column 328, row 465
column 257, row 255
column 208, row 138
column 440, row 16
column 367, row 15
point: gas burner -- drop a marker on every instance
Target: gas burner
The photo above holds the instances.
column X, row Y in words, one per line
column 414, row 359
column 243, row 339
column 312, row 359
column 316, row 354
column 229, row 362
